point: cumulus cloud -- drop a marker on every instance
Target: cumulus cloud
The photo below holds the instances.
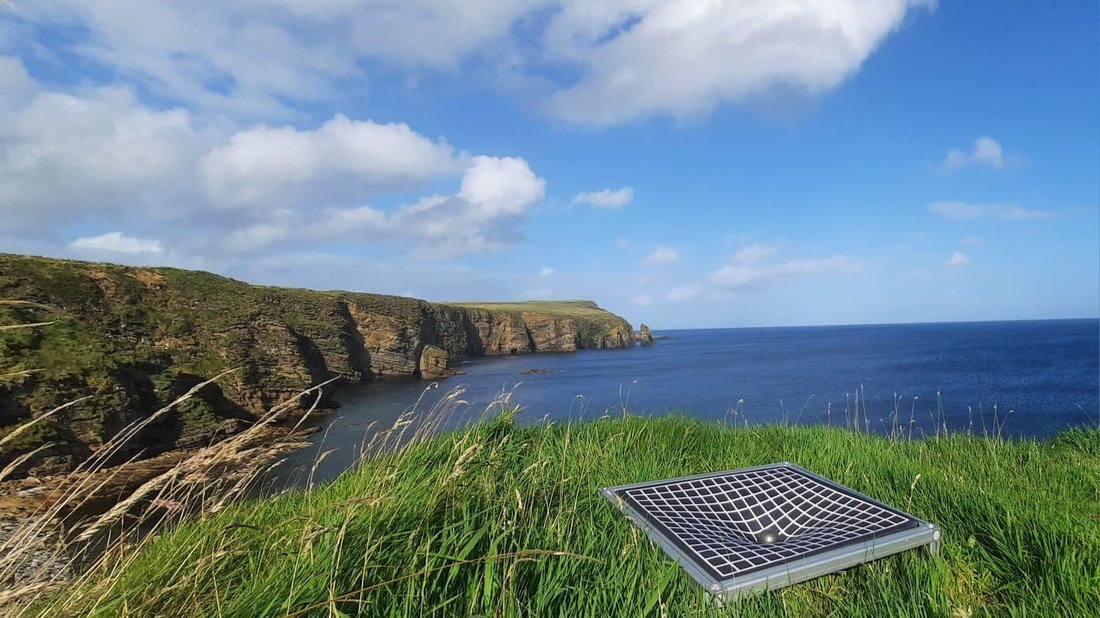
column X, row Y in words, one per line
column 624, row 61
column 622, row 243
column 546, row 271
column 682, row 293
column 500, row 186
column 987, row 151
column 641, row 300
column 362, row 158
column 759, row 273
column 97, row 151
column 661, row 256
column 605, row 198
column 100, row 154
column 483, row 216
column 647, row 58
column 958, row 258
column 116, row 242
column 958, row 210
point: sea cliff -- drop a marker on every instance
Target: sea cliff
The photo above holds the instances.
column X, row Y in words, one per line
column 134, row 339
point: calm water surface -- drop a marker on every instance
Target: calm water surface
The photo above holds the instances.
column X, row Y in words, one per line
column 1034, row 377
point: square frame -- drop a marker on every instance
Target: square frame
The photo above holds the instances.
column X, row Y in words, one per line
column 898, row 531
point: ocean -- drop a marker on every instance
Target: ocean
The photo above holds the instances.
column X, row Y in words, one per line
column 1014, row 379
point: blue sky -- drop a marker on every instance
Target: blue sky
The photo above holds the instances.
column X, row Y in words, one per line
column 684, row 164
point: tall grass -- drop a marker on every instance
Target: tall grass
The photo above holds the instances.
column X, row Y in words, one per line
column 69, row 540
column 496, row 519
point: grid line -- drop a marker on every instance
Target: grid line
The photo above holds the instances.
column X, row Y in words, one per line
column 720, row 521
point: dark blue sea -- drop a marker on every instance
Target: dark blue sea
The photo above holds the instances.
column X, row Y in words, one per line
column 1015, row 379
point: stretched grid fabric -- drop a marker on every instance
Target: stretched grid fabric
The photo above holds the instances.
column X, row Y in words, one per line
column 719, row 520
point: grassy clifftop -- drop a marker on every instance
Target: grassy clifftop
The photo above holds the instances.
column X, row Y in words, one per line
column 585, row 308
column 506, row 521
column 136, row 338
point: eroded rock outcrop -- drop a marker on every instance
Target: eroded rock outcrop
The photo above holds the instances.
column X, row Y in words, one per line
column 433, row 363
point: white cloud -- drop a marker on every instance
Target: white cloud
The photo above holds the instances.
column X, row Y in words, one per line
column 241, row 58
column 483, row 216
column 754, row 253
column 684, row 57
column 546, row 271
column 622, row 243
column 500, row 186
column 262, row 164
column 116, row 242
column 343, row 223
column 15, row 85
column 606, row 198
column 625, row 60
column 958, row 210
column 99, row 154
column 432, row 33
column 973, row 241
column 987, row 151
column 97, row 151
column 251, row 58
column 958, row 259
column 682, row 293
column 661, row 256
column 741, row 275
column 258, row 235
column 642, row 300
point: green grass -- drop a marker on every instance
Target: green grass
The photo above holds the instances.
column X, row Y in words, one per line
column 573, row 308
column 498, row 520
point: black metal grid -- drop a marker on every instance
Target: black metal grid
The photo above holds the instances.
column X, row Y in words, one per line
column 734, row 523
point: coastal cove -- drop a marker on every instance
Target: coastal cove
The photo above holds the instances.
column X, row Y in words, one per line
column 1012, row 378
column 107, row 345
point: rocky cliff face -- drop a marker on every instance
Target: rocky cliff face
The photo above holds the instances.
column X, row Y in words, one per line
column 136, row 338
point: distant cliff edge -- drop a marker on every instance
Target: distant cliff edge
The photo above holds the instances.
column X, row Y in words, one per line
column 137, row 338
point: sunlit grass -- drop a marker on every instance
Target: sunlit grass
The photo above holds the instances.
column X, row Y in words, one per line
column 584, row 308
column 502, row 520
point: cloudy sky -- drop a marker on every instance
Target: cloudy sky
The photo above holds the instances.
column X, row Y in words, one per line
column 685, row 163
